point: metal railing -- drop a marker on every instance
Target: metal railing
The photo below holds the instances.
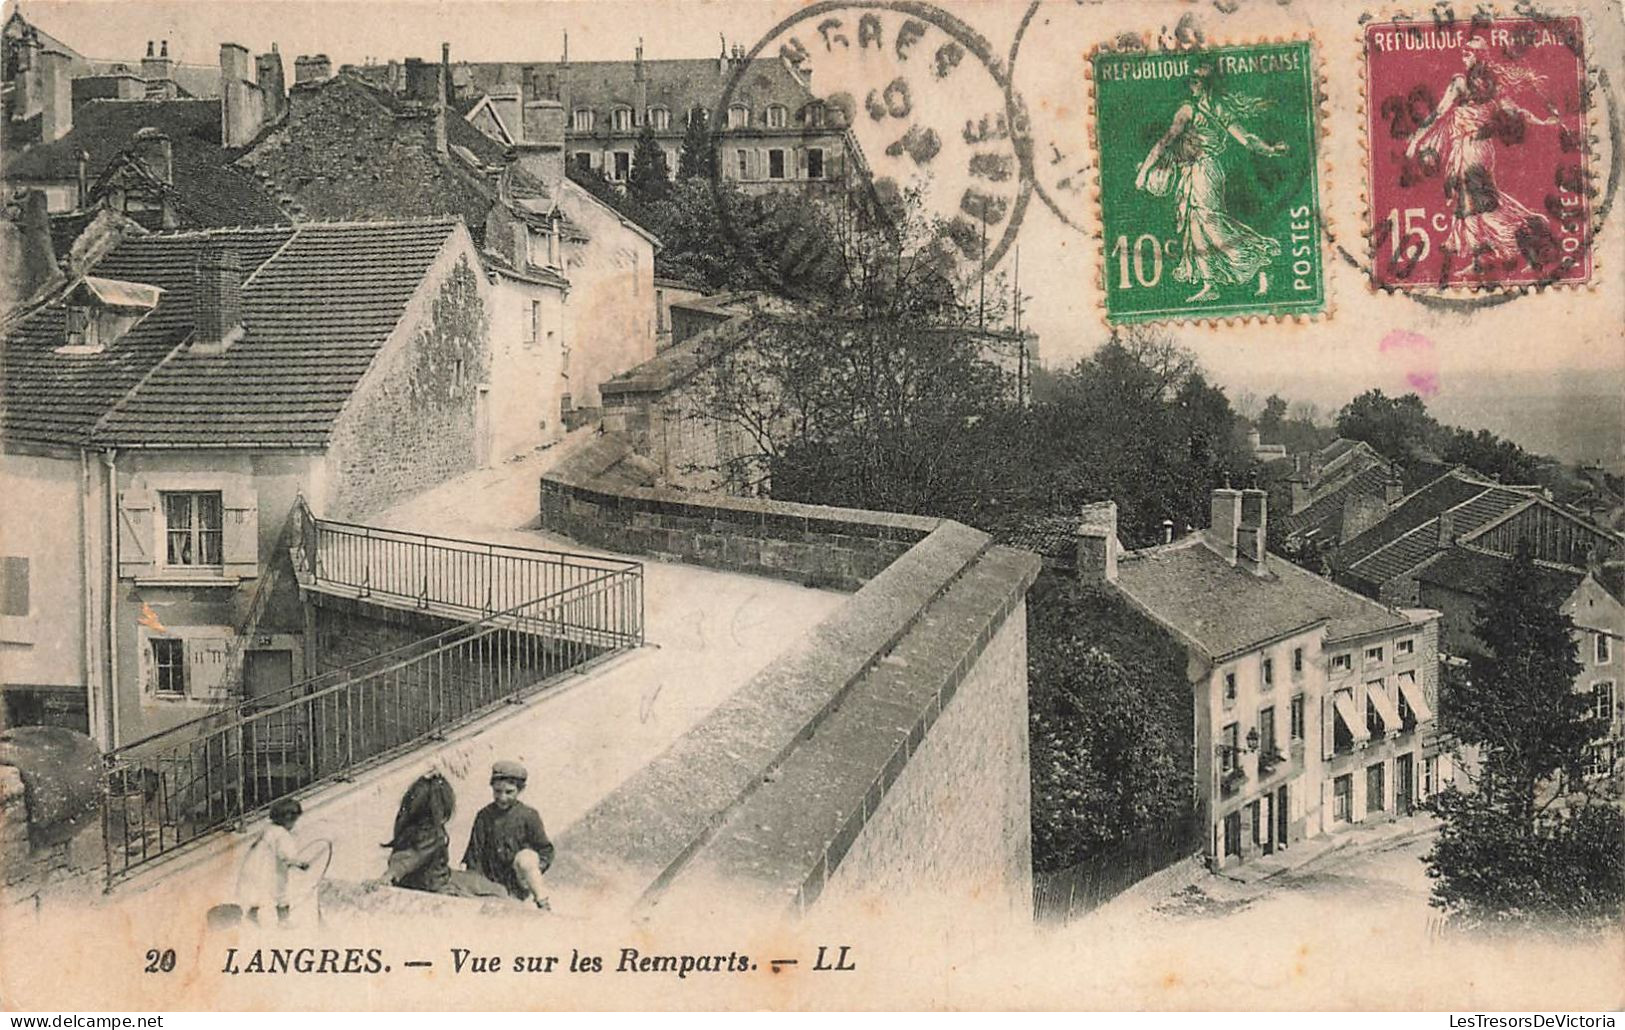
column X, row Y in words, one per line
column 169, row 790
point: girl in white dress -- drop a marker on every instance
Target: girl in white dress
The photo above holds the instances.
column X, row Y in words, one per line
column 263, row 880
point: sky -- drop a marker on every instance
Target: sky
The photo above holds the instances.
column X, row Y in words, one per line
column 1559, row 355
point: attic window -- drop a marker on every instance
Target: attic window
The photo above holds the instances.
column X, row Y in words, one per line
column 622, row 119
column 738, row 116
column 582, row 121
column 100, row 311
column 816, row 115
column 775, row 116
column 659, row 118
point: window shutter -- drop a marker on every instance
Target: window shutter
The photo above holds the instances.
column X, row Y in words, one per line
column 206, row 666
column 137, row 536
column 240, row 530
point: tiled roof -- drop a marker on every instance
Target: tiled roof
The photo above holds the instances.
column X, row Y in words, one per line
column 1468, row 570
column 1410, row 530
column 1227, row 609
column 343, row 152
column 318, row 302
column 1324, row 516
column 209, row 190
column 58, row 398
column 677, row 85
column 1051, row 535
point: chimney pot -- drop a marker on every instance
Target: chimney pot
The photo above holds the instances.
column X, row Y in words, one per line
column 150, row 52
column 164, row 51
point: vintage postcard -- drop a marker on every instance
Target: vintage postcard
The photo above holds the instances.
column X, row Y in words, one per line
column 866, row 504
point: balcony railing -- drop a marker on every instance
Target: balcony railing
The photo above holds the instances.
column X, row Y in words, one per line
column 169, row 790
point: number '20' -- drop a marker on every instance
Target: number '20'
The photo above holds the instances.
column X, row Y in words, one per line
column 160, row 961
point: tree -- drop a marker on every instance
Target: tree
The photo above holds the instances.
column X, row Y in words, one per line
column 697, row 158
column 1396, row 427
column 1110, row 725
column 1525, row 844
column 650, row 179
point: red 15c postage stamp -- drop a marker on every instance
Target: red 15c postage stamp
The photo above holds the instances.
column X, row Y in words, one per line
column 1477, row 151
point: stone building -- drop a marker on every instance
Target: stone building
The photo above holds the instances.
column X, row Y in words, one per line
column 770, row 130
column 1314, row 706
column 168, row 410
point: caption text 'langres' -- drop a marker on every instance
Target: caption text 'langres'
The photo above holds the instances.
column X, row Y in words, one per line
column 630, row 960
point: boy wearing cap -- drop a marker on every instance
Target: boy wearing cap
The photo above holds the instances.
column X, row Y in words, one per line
column 508, row 844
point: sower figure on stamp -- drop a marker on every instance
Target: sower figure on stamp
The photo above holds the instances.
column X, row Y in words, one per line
column 1215, row 248
column 508, row 844
column 1475, row 111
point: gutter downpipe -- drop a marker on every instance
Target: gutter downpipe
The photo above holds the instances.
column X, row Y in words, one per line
column 110, row 550
column 88, row 669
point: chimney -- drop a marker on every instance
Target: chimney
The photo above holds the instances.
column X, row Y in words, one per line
column 1360, row 513
column 242, row 107
column 273, row 83
column 81, row 162
column 1394, row 488
column 542, row 151
column 27, row 58
column 1252, row 534
column 1300, row 491
column 1096, row 542
column 55, row 95
column 217, row 304
column 312, row 68
column 396, row 77
column 27, row 257
column 641, row 83
column 1447, row 529
column 1224, row 523
column 155, row 152
column 445, row 73
column 159, row 69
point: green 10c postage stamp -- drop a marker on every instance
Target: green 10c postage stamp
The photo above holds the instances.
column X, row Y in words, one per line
column 1209, row 189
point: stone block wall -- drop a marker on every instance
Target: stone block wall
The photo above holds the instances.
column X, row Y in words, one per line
column 29, row 871
column 842, row 548
column 893, row 737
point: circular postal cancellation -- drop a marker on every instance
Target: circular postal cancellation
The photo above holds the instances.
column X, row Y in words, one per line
column 1209, row 182
column 920, row 96
column 1480, row 147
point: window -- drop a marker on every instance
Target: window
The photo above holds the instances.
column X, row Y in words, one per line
column 775, row 116
column 1407, row 716
column 1269, row 673
column 742, row 159
column 535, row 321
column 14, row 586
column 1430, row 776
column 1604, row 649
column 817, row 115
column 1599, row 759
column 583, row 161
column 775, row 164
column 738, row 116
column 1229, row 686
column 582, row 120
column 1374, row 788
column 815, row 162
column 458, row 372
column 1602, row 700
column 621, row 118
column 192, row 527
column 80, row 327
column 1266, row 730
column 623, row 165
column 1374, row 724
column 1342, row 662
column 1343, row 798
column 1230, row 745
column 697, row 114
column 659, row 118
column 1404, row 647
column 1297, row 661
column 1373, row 655
column 168, row 667
column 1297, row 717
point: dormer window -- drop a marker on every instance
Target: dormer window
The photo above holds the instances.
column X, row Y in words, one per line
column 100, row 311
column 738, row 116
column 776, row 116
column 659, row 118
column 582, row 120
column 816, row 115
column 622, row 119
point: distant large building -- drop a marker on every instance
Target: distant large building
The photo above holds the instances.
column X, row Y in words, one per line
column 770, row 130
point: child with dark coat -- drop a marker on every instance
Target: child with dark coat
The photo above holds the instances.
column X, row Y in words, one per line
column 420, row 849
column 508, row 844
